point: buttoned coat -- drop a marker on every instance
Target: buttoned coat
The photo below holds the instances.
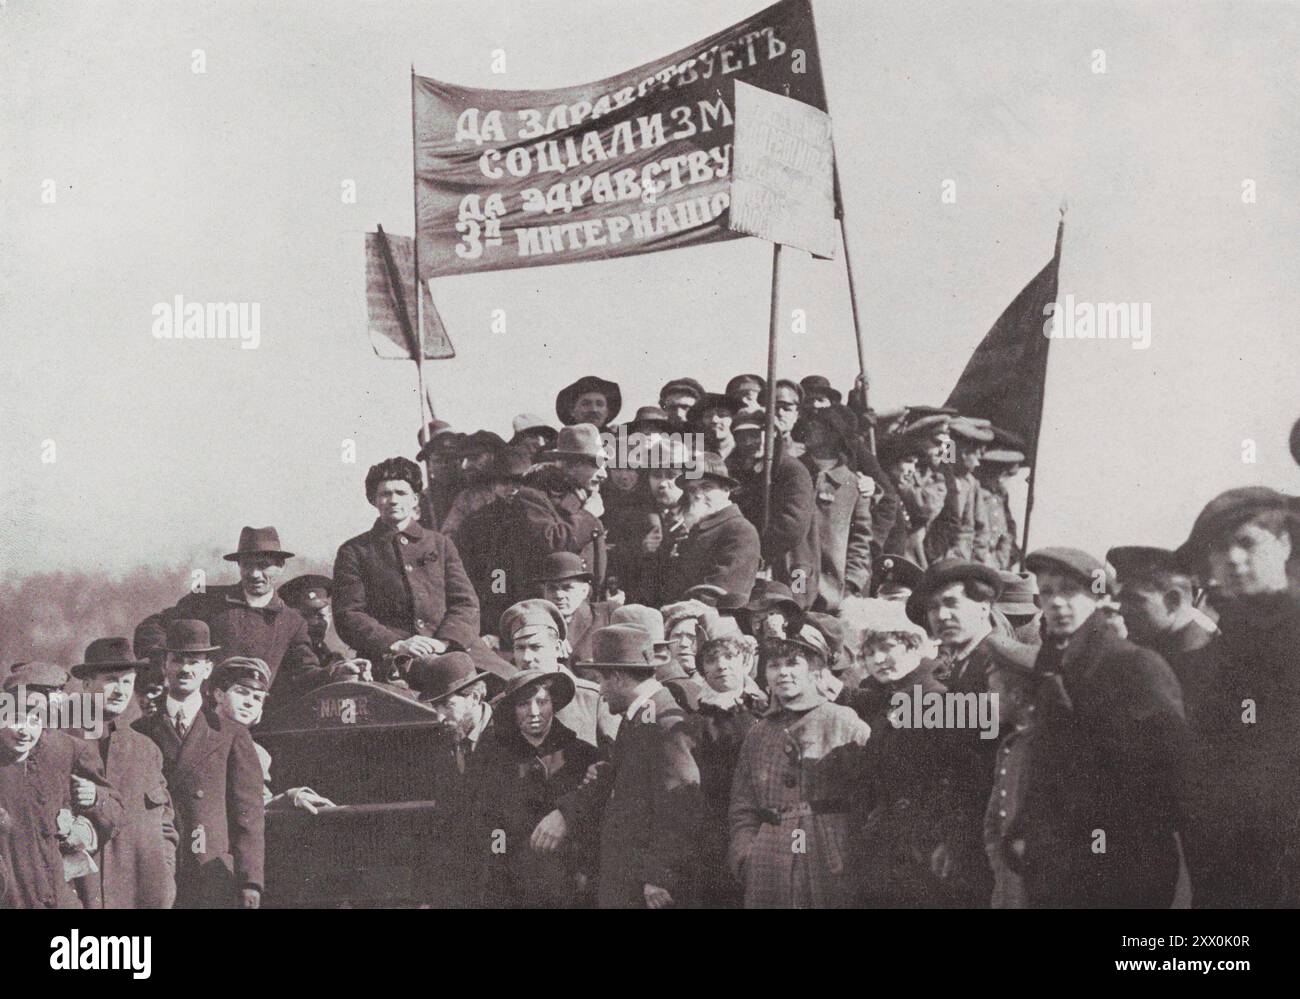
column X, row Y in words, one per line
column 791, row 761
column 789, row 544
column 721, row 550
column 276, row 634
column 648, row 807
column 137, row 867
column 32, row 793
column 842, row 518
column 216, row 784
column 390, row 585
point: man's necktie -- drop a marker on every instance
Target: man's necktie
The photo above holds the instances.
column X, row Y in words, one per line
column 179, row 723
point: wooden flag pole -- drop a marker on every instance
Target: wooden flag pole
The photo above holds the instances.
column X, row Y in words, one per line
column 769, row 431
column 415, row 250
column 1042, row 401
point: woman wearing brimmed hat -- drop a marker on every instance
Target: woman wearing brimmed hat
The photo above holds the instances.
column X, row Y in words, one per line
column 527, row 763
column 795, row 783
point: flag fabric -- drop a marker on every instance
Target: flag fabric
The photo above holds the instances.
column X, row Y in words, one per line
column 635, row 163
column 390, row 334
column 1006, row 376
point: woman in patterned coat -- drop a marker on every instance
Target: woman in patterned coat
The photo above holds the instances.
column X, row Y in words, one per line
column 799, row 768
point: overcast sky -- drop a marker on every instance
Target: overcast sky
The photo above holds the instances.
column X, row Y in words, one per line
column 226, row 186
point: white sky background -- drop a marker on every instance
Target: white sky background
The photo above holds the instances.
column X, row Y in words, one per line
column 226, row 187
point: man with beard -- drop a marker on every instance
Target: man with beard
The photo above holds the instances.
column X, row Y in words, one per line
column 480, row 464
column 955, row 602
column 1244, row 846
column 215, row 779
column 1104, row 799
column 137, row 867
column 722, row 548
column 789, row 542
column 54, row 795
column 248, row 618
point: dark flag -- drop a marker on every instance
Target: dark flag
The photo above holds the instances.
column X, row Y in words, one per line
column 1005, row 377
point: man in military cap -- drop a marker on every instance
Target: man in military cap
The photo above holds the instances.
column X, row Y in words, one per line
column 954, row 602
column 534, row 633
column 677, row 397
column 647, row 802
column 309, row 595
column 137, row 867
column 215, row 777
column 747, row 391
column 894, row 577
column 57, row 803
column 589, row 400
column 1245, row 848
column 248, row 618
column 1099, row 830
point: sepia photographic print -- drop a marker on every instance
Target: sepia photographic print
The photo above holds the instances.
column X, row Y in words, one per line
column 650, row 454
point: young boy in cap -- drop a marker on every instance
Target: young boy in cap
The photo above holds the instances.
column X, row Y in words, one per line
column 57, row 800
column 798, row 773
column 534, row 633
column 137, row 867
column 216, row 781
column 1102, row 832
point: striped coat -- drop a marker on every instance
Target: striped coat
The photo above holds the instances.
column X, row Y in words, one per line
column 790, row 799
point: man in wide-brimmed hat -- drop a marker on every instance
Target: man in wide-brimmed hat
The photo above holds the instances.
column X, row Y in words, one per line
column 248, row 618
column 818, row 393
column 556, row 509
column 529, row 761
column 220, row 816
column 722, row 547
column 1244, row 847
column 590, row 399
column 1124, row 705
column 137, row 867
column 56, row 802
column 647, row 801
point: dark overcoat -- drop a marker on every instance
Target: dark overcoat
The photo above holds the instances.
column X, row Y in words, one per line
column 390, row 585
column 721, row 550
column 33, row 793
column 276, row 634
column 137, row 867
column 215, row 778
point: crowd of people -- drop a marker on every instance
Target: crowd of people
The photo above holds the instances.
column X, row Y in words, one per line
column 662, row 684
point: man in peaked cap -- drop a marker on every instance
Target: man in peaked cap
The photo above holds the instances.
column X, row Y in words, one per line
column 747, row 392
column 647, row 801
column 215, row 777
column 534, row 633
column 247, row 618
column 952, row 533
column 955, row 602
column 1245, row 848
column 1125, row 705
column 894, row 577
column 54, row 795
column 994, row 520
column 137, row 867
column 677, row 397
column 310, row 595
column 721, row 547
column 589, row 400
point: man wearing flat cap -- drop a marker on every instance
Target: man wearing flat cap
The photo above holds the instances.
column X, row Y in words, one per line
column 531, row 433
column 677, row 397
column 247, row 618
column 215, row 778
column 1099, row 828
column 58, row 804
column 1246, row 838
column 747, row 392
column 923, row 483
column 589, row 400
column 137, row 867
column 712, row 416
column 721, row 547
column 646, row 801
column 534, row 634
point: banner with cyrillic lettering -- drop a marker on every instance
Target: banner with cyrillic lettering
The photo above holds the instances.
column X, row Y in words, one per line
column 633, row 164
